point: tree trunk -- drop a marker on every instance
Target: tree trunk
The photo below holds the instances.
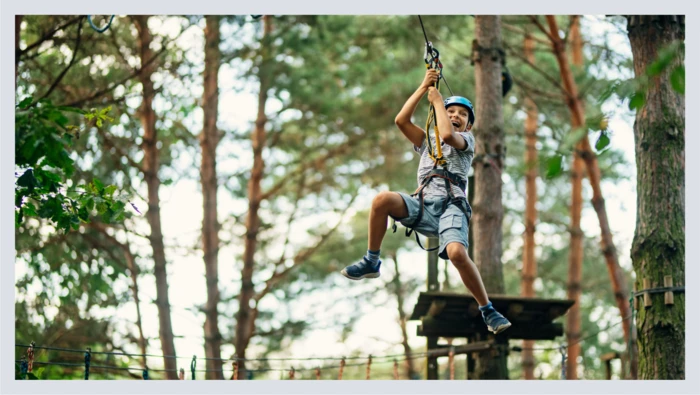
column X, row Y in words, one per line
column 573, row 319
column 529, row 272
column 246, row 313
column 18, row 30
column 134, row 272
column 150, row 170
column 209, row 139
column 583, row 149
column 411, row 372
column 488, row 162
column 658, row 248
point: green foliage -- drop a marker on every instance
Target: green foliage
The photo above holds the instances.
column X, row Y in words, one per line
column 554, row 167
column 44, row 137
column 335, row 85
column 668, row 64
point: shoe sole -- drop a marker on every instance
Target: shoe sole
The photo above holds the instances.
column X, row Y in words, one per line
column 368, row 275
column 500, row 328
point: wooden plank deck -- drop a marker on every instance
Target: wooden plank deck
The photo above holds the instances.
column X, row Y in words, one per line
column 457, row 315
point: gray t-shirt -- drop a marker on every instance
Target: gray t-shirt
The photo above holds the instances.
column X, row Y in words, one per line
column 457, row 162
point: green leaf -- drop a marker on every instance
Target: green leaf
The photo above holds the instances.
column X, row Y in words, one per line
column 678, row 79
column 19, row 216
column 637, row 101
column 28, row 180
column 109, row 191
column 64, row 222
column 603, row 141
column 102, row 207
column 30, row 209
column 554, row 166
column 26, row 102
column 83, row 214
column 45, row 209
column 98, row 185
column 58, row 117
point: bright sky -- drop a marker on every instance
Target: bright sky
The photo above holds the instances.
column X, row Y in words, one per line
column 377, row 331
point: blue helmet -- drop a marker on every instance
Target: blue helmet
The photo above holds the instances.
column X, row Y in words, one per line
column 464, row 102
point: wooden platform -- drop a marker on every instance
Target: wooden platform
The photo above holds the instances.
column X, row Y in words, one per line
column 457, row 315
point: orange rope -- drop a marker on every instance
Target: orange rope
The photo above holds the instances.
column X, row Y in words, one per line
column 30, row 357
column 342, row 366
column 369, row 364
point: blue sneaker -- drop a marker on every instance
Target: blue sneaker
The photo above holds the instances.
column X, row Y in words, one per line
column 361, row 269
column 494, row 320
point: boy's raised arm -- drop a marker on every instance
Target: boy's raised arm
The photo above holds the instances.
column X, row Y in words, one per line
column 403, row 119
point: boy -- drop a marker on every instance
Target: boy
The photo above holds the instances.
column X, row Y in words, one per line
column 440, row 208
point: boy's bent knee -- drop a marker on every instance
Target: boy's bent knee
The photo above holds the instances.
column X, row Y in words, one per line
column 392, row 202
column 457, row 253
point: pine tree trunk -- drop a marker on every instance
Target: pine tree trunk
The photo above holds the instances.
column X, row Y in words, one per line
column 247, row 313
column 150, row 170
column 18, row 31
column 488, row 162
column 411, row 372
column 209, row 139
column 133, row 272
column 529, row 272
column 658, row 248
column 583, row 149
column 573, row 321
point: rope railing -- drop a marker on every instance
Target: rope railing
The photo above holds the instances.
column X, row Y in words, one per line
column 368, row 361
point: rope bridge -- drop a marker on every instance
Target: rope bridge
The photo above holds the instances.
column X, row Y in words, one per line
column 27, row 362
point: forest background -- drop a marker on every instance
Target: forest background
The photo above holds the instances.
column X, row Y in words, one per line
column 308, row 102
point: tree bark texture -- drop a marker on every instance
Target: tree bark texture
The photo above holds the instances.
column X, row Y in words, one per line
column 209, row 139
column 18, row 31
column 658, row 248
column 246, row 313
column 573, row 319
column 529, row 272
column 488, row 163
column 150, row 170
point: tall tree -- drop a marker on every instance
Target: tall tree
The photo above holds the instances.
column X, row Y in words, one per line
column 573, row 319
column 488, row 164
column 150, row 173
column 209, row 139
column 658, row 248
column 529, row 272
column 583, row 149
column 245, row 320
column 18, row 30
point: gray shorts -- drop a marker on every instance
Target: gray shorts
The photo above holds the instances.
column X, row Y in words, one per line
column 449, row 226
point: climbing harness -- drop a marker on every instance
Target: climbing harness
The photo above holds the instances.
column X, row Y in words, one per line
column 432, row 60
column 102, row 30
